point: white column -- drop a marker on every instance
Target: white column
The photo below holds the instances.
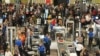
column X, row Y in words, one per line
column 28, row 36
column 79, row 29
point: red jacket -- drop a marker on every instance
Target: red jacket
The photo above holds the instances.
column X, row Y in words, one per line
column 53, row 22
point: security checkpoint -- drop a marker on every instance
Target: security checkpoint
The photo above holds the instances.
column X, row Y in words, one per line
column 63, row 40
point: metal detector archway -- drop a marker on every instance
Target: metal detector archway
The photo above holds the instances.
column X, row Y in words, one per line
column 70, row 29
column 11, row 35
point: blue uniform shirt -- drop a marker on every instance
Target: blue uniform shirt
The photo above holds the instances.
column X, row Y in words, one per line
column 46, row 39
column 18, row 43
column 90, row 34
column 41, row 49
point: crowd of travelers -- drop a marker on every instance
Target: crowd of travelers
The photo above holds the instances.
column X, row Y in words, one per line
column 26, row 15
